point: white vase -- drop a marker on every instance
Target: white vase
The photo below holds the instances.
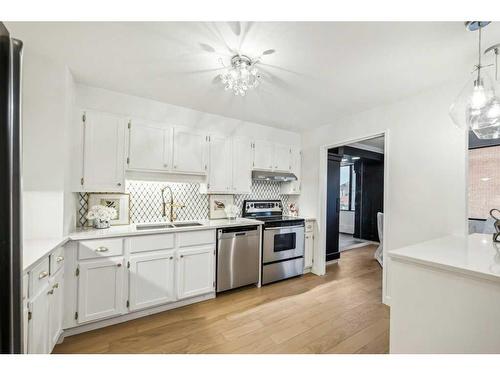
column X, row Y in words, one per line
column 101, row 224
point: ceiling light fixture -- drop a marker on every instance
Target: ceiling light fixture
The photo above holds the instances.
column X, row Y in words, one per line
column 478, row 106
column 241, row 76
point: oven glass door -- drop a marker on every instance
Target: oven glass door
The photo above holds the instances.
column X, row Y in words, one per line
column 283, row 243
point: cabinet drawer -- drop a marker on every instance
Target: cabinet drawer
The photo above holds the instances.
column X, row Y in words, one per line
column 309, row 226
column 39, row 277
column 140, row 244
column 194, row 238
column 56, row 260
column 101, row 248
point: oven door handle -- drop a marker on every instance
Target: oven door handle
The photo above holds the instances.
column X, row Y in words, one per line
column 281, row 228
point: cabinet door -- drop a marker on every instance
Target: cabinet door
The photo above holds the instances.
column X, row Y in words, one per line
column 100, row 285
column 104, row 152
column 195, row 272
column 55, row 308
column 308, row 250
column 242, row 165
column 147, row 147
column 189, row 151
column 282, row 160
column 263, row 155
column 25, row 313
column 293, row 187
column 220, row 174
column 38, row 329
column 151, row 279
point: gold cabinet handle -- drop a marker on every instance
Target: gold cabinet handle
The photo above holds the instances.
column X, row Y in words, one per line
column 119, row 184
column 56, row 285
column 119, row 265
column 59, row 259
column 43, row 275
column 102, row 249
column 50, row 291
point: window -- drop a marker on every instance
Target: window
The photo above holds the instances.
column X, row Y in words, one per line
column 347, row 187
column 484, row 181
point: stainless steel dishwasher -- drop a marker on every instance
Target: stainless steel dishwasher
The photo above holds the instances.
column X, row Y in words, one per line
column 238, row 261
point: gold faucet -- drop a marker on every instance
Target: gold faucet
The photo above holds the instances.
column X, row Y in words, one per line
column 170, row 204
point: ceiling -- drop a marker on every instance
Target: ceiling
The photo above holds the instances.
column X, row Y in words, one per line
column 320, row 70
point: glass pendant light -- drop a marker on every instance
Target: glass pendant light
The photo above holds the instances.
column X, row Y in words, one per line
column 477, row 107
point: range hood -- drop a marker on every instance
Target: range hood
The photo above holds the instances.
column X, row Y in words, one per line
column 273, row 176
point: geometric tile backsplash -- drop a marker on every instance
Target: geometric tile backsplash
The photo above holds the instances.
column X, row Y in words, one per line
column 146, row 202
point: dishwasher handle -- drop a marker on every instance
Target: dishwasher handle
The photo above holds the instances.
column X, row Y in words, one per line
column 237, row 232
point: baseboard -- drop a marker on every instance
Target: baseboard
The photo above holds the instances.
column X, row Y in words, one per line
column 332, row 262
column 133, row 315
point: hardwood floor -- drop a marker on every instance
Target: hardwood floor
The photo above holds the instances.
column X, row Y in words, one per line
column 340, row 312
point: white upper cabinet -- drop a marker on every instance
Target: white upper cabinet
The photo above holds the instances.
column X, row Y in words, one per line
column 195, row 272
column 100, row 287
column 189, row 151
column 277, row 157
column 293, row 187
column 103, row 152
column 151, row 279
column 263, row 158
column 282, row 160
column 230, row 166
column 150, row 147
column 242, row 165
column 219, row 166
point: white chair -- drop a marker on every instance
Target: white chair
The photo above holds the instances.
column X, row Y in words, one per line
column 379, row 253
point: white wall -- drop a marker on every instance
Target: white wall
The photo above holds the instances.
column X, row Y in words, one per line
column 45, row 145
column 426, row 165
column 346, row 222
column 87, row 97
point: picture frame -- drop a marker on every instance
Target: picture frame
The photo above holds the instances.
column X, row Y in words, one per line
column 119, row 201
column 218, row 203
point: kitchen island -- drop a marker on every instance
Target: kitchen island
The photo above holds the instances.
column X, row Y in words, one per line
column 445, row 296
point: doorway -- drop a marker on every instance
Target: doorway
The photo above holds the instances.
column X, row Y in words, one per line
column 355, row 197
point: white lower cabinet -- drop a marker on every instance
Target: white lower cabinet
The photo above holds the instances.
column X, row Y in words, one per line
column 56, row 304
column 100, row 287
column 195, row 271
column 38, row 327
column 308, row 250
column 43, row 305
column 309, row 243
column 153, row 272
column 151, row 279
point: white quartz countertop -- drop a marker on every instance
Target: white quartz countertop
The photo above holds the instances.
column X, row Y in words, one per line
column 475, row 255
column 36, row 249
column 131, row 230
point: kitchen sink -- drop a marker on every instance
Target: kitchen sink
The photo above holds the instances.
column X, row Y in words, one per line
column 153, row 226
column 182, row 225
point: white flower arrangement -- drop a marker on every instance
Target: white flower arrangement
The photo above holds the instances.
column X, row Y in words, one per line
column 101, row 213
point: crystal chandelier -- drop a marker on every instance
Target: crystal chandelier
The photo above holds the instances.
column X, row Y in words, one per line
column 241, row 76
column 478, row 105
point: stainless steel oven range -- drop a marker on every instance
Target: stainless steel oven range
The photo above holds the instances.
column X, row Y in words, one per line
column 282, row 240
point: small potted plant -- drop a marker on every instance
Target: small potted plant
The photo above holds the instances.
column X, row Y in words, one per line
column 101, row 216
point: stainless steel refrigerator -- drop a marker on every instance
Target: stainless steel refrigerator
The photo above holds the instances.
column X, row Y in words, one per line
column 10, row 194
